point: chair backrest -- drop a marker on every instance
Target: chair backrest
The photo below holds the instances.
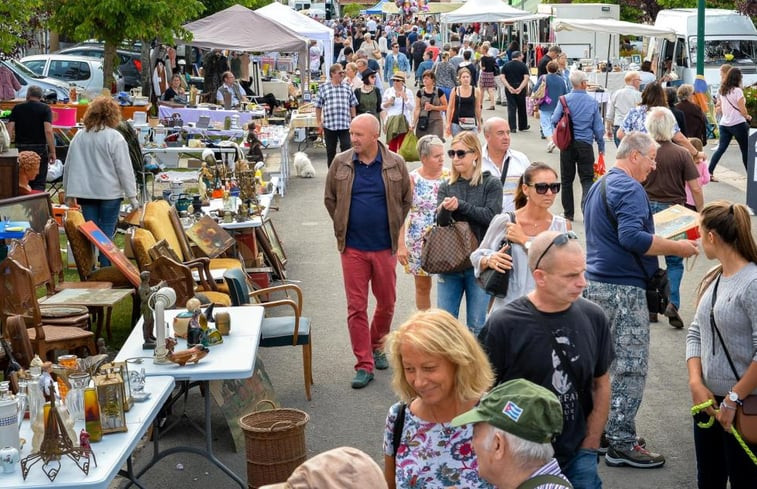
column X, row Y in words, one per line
column 52, row 242
column 84, row 256
column 158, row 220
column 36, row 258
column 18, row 295
column 141, row 241
column 236, row 280
column 15, row 333
column 16, row 252
column 176, row 275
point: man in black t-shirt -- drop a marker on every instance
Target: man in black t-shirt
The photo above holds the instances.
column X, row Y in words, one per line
column 552, row 53
column 32, row 122
column 515, row 75
column 559, row 340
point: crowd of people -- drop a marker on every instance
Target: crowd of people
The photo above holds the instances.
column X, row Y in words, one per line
column 569, row 340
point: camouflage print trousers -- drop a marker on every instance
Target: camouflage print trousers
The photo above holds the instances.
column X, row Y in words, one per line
column 626, row 307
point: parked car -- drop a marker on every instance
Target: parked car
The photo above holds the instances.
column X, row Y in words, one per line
column 53, row 90
column 130, row 63
column 84, row 72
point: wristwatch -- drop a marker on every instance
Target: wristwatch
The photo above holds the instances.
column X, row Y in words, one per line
column 527, row 245
column 734, row 397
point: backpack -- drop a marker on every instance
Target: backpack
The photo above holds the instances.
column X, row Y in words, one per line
column 563, row 134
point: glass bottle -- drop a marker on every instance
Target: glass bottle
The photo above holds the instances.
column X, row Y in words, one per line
column 22, row 400
column 35, row 397
column 5, row 391
column 75, row 398
column 92, row 414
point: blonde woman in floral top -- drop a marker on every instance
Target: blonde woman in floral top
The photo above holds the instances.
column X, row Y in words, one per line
column 425, row 182
column 439, row 372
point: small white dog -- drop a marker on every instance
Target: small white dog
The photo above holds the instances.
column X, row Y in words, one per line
column 302, row 165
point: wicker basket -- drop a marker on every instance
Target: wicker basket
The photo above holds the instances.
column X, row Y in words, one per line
column 275, row 444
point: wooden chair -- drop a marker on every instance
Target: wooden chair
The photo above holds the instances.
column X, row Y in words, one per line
column 57, row 315
column 179, row 277
column 279, row 330
column 142, row 241
column 84, row 255
column 55, row 262
column 15, row 333
column 18, row 297
column 163, row 222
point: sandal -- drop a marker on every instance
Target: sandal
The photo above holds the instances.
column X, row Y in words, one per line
column 713, row 179
column 490, row 108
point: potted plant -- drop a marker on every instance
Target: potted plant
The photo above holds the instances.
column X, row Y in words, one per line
column 750, row 94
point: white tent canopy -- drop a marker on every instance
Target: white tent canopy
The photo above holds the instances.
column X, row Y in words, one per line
column 303, row 25
column 240, row 29
column 613, row 27
column 483, row 11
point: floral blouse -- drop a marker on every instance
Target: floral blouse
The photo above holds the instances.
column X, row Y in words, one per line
column 635, row 118
column 432, row 455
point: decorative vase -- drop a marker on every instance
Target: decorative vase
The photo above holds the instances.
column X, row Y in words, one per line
column 75, row 399
column 8, row 459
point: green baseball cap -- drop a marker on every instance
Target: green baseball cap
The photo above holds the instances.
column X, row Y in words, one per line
column 519, row 407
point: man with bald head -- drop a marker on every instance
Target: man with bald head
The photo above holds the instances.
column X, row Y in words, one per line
column 559, row 340
column 368, row 196
column 503, row 162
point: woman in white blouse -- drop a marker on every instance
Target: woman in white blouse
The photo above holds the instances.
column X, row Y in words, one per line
column 398, row 99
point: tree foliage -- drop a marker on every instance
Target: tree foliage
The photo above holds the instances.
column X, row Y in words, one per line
column 352, row 9
column 213, row 6
column 114, row 21
column 19, row 18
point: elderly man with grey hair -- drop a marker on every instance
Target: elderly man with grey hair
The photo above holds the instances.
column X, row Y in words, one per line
column 503, row 162
column 622, row 251
column 587, row 128
column 621, row 102
column 554, row 337
column 666, row 186
column 513, row 426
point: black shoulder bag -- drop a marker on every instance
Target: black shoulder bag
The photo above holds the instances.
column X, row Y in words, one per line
column 494, row 282
column 399, row 426
column 745, row 420
column 658, row 285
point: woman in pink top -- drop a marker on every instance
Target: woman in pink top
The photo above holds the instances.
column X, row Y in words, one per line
column 735, row 120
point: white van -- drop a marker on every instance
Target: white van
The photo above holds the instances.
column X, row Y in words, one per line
column 729, row 37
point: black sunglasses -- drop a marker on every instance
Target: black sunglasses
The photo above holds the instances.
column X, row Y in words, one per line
column 460, row 153
column 541, row 188
column 560, row 240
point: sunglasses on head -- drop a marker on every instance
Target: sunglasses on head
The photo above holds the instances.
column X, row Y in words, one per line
column 460, row 153
column 559, row 240
column 541, row 188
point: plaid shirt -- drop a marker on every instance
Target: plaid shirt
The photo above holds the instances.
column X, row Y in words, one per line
column 335, row 102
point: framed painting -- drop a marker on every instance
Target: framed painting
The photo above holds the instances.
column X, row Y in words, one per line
column 211, row 238
column 271, row 257
column 273, row 238
column 97, row 237
column 34, row 208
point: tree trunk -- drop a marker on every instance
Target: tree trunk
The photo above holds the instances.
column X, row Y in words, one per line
column 146, row 68
column 54, row 42
column 109, row 58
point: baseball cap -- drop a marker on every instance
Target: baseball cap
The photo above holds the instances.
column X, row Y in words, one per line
column 340, row 468
column 519, row 407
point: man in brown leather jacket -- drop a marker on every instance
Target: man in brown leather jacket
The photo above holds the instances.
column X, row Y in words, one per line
column 368, row 196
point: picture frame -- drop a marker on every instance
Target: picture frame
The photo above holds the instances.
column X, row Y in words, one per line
column 636, row 58
column 211, row 238
column 110, row 392
column 117, row 257
column 34, row 208
column 273, row 238
column 270, row 255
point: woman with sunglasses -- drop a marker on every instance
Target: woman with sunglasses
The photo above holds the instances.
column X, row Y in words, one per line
column 537, row 190
column 474, row 197
column 721, row 346
column 369, row 96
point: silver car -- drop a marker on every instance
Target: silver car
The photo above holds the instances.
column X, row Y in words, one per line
column 53, row 90
column 86, row 73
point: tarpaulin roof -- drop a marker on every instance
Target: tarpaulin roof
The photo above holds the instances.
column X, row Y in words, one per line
column 483, row 11
column 240, row 29
column 301, row 24
column 613, row 27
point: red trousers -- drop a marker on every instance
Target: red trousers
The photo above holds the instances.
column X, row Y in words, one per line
column 361, row 269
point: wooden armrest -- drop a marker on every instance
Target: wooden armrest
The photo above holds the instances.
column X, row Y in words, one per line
column 286, row 302
column 277, row 288
column 203, row 270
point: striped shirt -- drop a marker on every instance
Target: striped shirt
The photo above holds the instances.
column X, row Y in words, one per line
column 551, row 468
column 336, row 101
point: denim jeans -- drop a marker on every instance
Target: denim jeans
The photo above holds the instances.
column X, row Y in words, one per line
column 741, row 133
column 455, row 129
column 615, row 135
column 545, row 121
column 720, row 459
column 104, row 213
column 452, row 286
column 674, row 263
column 581, row 470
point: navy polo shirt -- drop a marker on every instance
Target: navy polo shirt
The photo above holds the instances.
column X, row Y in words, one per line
column 368, row 225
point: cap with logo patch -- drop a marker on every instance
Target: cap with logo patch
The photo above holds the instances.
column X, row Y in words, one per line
column 519, row 407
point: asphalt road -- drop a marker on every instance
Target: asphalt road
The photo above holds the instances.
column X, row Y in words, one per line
column 342, row 416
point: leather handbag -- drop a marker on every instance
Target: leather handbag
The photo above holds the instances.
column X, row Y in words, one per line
column 746, row 413
column 563, row 134
column 540, row 93
column 447, row 249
